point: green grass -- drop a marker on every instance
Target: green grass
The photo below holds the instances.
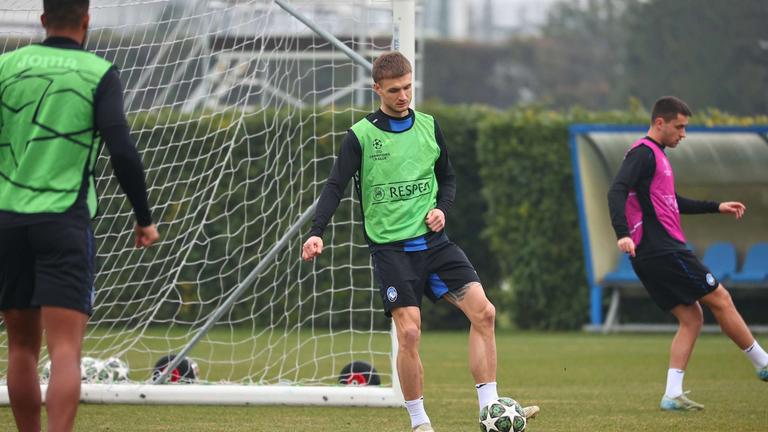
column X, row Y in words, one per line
column 582, row 383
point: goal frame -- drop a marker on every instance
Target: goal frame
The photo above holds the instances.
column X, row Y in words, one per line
column 157, row 392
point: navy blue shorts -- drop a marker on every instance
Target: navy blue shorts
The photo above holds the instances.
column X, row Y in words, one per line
column 47, row 264
column 675, row 278
column 404, row 278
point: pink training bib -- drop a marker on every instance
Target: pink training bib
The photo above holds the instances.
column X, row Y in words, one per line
column 663, row 199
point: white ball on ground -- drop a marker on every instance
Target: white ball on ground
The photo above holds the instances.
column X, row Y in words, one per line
column 502, row 415
column 89, row 369
column 114, row 370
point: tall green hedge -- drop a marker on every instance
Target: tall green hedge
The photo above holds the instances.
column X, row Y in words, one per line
column 514, row 215
column 532, row 223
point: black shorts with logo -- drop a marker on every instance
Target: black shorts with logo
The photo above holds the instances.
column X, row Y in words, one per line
column 675, row 278
column 405, row 277
column 47, row 264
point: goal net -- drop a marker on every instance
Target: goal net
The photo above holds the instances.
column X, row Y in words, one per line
column 237, row 109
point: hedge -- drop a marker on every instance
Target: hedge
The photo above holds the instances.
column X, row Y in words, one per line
column 514, row 215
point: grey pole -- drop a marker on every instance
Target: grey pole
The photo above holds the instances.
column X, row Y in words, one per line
column 357, row 58
column 293, row 230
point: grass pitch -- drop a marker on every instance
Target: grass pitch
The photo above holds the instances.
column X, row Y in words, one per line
column 582, row 383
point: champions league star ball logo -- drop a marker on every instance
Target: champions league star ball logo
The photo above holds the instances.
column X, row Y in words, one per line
column 391, row 294
column 710, row 279
column 377, row 145
column 377, row 150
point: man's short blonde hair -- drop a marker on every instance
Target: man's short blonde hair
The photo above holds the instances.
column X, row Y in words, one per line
column 390, row 65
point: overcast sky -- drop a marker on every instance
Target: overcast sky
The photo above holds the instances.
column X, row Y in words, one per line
column 512, row 13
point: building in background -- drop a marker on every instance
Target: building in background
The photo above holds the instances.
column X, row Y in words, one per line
column 19, row 19
column 483, row 20
column 478, row 20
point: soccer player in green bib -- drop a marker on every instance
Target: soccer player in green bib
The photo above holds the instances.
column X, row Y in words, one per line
column 406, row 187
column 58, row 103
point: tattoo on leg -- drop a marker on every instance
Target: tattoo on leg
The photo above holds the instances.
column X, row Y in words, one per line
column 458, row 295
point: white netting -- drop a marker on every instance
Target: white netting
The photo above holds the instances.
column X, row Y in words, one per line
column 237, row 110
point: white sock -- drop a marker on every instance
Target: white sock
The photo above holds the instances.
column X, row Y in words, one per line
column 416, row 411
column 674, row 383
column 757, row 355
column 486, row 393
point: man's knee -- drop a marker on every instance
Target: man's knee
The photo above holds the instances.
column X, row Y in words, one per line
column 690, row 316
column 485, row 318
column 696, row 320
column 719, row 300
column 65, row 352
column 23, row 346
column 408, row 337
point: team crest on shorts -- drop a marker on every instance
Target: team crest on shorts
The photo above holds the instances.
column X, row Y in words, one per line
column 391, row 294
column 710, row 279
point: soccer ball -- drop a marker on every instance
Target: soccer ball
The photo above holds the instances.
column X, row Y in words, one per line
column 89, row 369
column 502, row 415
column 45, row 375
column 113, row 370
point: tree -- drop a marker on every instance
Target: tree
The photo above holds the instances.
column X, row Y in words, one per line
column 708, row 52
column 580, row 54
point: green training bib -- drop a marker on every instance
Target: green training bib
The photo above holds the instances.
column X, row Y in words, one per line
column 397, row 178
column 48, row 142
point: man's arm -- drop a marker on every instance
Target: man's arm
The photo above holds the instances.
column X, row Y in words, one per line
column 346, row 165
column 691, row 206
column 638, row 163
column 446, row 179
column 111, row 123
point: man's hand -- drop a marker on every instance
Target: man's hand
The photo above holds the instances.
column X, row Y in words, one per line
column 435, row 220
column 312, row 248
column 145, row 236
column 626, row 245
column 733, row 207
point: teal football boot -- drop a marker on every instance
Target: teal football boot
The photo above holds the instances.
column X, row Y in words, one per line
column 680, row 403
column 763, row 373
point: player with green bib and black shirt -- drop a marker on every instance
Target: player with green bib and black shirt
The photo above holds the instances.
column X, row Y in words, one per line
column 58, row 104
column 406, row 186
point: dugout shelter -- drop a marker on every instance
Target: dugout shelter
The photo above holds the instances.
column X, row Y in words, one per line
column 711, row 163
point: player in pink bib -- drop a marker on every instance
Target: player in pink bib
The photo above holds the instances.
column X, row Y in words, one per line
column 645, row 213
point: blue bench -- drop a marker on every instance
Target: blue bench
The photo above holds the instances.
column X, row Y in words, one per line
column 754, row 272
column 720, row 257
column 623, row 275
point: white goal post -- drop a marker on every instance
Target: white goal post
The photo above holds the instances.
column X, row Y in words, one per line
column 237, row 108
